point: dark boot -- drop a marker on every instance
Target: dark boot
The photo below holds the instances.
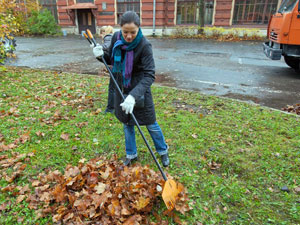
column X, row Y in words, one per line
column 128, row 162
column 165, row 160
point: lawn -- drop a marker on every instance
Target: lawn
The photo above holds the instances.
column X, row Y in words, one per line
column 239, row 162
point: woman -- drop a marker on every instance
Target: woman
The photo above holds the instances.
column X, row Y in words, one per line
column 131, row 56
column 106, row 33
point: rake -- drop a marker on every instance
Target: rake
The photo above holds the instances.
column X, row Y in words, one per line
column 171, row 188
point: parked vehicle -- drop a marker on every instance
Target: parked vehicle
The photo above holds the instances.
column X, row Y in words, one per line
column 284, row 34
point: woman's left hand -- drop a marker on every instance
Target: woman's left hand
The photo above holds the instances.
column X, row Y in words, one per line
column 128, row 104
column 98, row 51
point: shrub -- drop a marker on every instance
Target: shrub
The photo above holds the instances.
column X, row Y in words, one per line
column 42, row 22
column 218, row 33
column 8, row 26
column 23, row 11
column 185, row 31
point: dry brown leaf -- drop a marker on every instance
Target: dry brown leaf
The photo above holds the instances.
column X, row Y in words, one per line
column 64, row 136
column 40, row 134
column 72, row 172
column 195, row 136
column 20, row 198
column 67, row 217
column 133, row 220
column 297, row 189
column 100, row 188
column 100, row 200
column 59, row 193
column 45, row 197
column 24, row 189
column 35, row 183
column 214, row 165
column 105, row 174
column 3, row 206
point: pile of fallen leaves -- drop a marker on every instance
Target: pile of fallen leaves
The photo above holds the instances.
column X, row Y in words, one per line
column 100, row 191
column 293, row 108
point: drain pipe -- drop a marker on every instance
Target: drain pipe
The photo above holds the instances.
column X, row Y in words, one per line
column 154, row 15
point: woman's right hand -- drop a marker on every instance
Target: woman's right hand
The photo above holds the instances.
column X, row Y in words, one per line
column 128, row 104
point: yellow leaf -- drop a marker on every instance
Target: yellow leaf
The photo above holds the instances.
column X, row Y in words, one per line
column 142, row 203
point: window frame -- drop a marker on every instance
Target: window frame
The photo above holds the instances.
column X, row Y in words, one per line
column 283, row 5
column 253, row 12
column 126, row 4
column 185, row 4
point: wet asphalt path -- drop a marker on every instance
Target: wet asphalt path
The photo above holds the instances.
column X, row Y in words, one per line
column 236, row 70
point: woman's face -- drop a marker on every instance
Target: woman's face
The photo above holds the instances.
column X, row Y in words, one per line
column 129, row 31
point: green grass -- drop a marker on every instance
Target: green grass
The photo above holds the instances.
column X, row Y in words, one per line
column 232, row 157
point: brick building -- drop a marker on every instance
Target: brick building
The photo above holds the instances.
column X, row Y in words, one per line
column 78, row 15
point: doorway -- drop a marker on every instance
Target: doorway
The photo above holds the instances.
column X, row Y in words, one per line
column 86, row 20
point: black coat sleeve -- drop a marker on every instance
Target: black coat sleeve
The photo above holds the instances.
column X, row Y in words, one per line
column 106, row 42
column 148, row 69
column 108, row 53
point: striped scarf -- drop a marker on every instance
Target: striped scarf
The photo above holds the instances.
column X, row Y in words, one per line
column 125, row 66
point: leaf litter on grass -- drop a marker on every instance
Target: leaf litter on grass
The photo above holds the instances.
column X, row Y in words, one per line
column 231, row 156
column 101, row 191
column 292, row 108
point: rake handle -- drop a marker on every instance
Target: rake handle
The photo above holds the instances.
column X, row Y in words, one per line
column 87, row 38
column 91, row 39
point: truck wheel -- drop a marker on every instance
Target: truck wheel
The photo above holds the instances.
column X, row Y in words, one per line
column 292, row 62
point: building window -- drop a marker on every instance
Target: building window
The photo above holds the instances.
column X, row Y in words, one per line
column 209, row 12
column 287, row 6
column 85, row 1
column 253, row 11
column 127, row 5
column 51, row 6
column 188, row 11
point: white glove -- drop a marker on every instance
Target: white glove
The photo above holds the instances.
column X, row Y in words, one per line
column 128, row 104
column 98, row 51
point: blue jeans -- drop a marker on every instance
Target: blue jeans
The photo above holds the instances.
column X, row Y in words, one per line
column 156, row 135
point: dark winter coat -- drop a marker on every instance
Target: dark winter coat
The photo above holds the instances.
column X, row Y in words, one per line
column 143, row 75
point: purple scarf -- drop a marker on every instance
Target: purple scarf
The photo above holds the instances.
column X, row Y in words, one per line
column 125, row 66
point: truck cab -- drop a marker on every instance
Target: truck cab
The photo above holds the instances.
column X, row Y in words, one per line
column 284, row 34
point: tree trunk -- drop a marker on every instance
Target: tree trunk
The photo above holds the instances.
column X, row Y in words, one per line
column 201, row 17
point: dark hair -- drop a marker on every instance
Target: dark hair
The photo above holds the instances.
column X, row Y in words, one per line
column 130, row 17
